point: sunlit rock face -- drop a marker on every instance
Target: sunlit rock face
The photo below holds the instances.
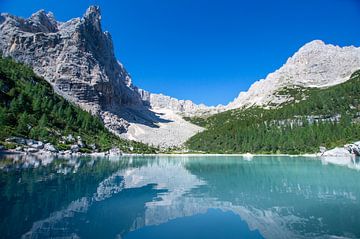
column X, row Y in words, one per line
column 316, row 64
column 182, row 107
column 77, row 58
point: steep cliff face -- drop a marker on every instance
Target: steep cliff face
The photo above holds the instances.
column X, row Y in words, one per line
column 76, row 57
column 316, row 64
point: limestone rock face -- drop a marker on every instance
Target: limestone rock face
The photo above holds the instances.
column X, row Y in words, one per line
column 182, row 107
column 76, row 57
column 314, row 65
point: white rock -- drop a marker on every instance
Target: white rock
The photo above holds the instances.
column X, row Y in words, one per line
column 31, row 150
column 74, row 148
column 17, row 140
column 314, row 65
column 70, row 138
column 337, row 152
column 35, row 144
column 115, row 152
column 49, row 147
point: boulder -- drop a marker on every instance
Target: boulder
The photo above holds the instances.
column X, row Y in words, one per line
column 322, row 149
column 74, row 148
column 31, row 150
column 51, row 148
column 337, row 152
column 357, row 143
column 34, row 144
column 17, row 140
column 67, row 152
column 115, row 152
column 353, row 148
column 69, row 138
column 80, row 143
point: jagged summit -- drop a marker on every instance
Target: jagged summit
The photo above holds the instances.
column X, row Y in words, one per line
column 43, row 22
column 78, row 59
column 316, row 64
column 92, row 16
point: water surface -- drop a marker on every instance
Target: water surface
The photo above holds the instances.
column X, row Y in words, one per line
column 177, row 197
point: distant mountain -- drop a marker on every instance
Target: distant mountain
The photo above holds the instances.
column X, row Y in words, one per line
column 315, row 65
column 327, row 117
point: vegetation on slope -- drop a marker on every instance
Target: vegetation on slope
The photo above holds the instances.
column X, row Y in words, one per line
column 326, row 117
column 29, row 108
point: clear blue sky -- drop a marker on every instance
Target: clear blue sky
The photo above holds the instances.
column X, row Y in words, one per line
column 208, row 50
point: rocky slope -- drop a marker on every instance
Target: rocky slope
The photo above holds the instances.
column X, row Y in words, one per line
column 316, row 64
column 77, row 58
column 182, row 107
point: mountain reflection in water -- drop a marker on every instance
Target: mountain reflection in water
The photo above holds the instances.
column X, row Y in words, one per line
column 177, row 197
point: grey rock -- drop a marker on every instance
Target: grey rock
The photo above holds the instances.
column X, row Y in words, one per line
column 182, row 107
column 17, row 140
column 69, row 138
column 76, row 57
column 322, row 149
column 31, row 150
column 80, row 143
column 115, row 152
column 75, row 148
column 35, row 144
column 337, row 152
column 67, row 152
column 51, row 148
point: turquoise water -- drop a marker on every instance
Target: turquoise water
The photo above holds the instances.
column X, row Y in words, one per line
column 177, row 197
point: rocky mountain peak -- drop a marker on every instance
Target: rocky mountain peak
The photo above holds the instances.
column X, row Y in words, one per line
column 76, row 57
column 43, row 22
column 313, row 44
column 92, row 17
column 316, row 64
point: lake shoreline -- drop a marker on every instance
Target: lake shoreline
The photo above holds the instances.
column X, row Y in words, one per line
column 350, row 161
column 246, row 155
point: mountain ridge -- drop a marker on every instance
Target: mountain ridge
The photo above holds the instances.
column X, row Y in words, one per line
column 77, row 58
column 315, row 65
